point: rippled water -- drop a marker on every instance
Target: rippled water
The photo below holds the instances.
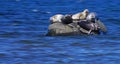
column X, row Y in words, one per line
column 23, row 24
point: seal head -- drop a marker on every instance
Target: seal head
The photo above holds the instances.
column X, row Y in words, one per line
column 92, row 17
column 67, row 19
column 56, row 18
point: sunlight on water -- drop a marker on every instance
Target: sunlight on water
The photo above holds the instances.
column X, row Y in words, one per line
column 35, row 10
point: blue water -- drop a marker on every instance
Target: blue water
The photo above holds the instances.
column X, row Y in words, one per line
column 23, row 24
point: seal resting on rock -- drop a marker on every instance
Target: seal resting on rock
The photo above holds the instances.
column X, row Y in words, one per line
column 93, row 18
column 64, row 25
column 56, row 18
column 81, row 15
column 67, row 19
column 92, row 23
column 89, row 26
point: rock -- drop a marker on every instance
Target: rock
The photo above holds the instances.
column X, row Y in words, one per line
column 78, row 24
column 60, row 29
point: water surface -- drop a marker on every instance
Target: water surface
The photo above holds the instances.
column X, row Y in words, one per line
column 23, row 24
